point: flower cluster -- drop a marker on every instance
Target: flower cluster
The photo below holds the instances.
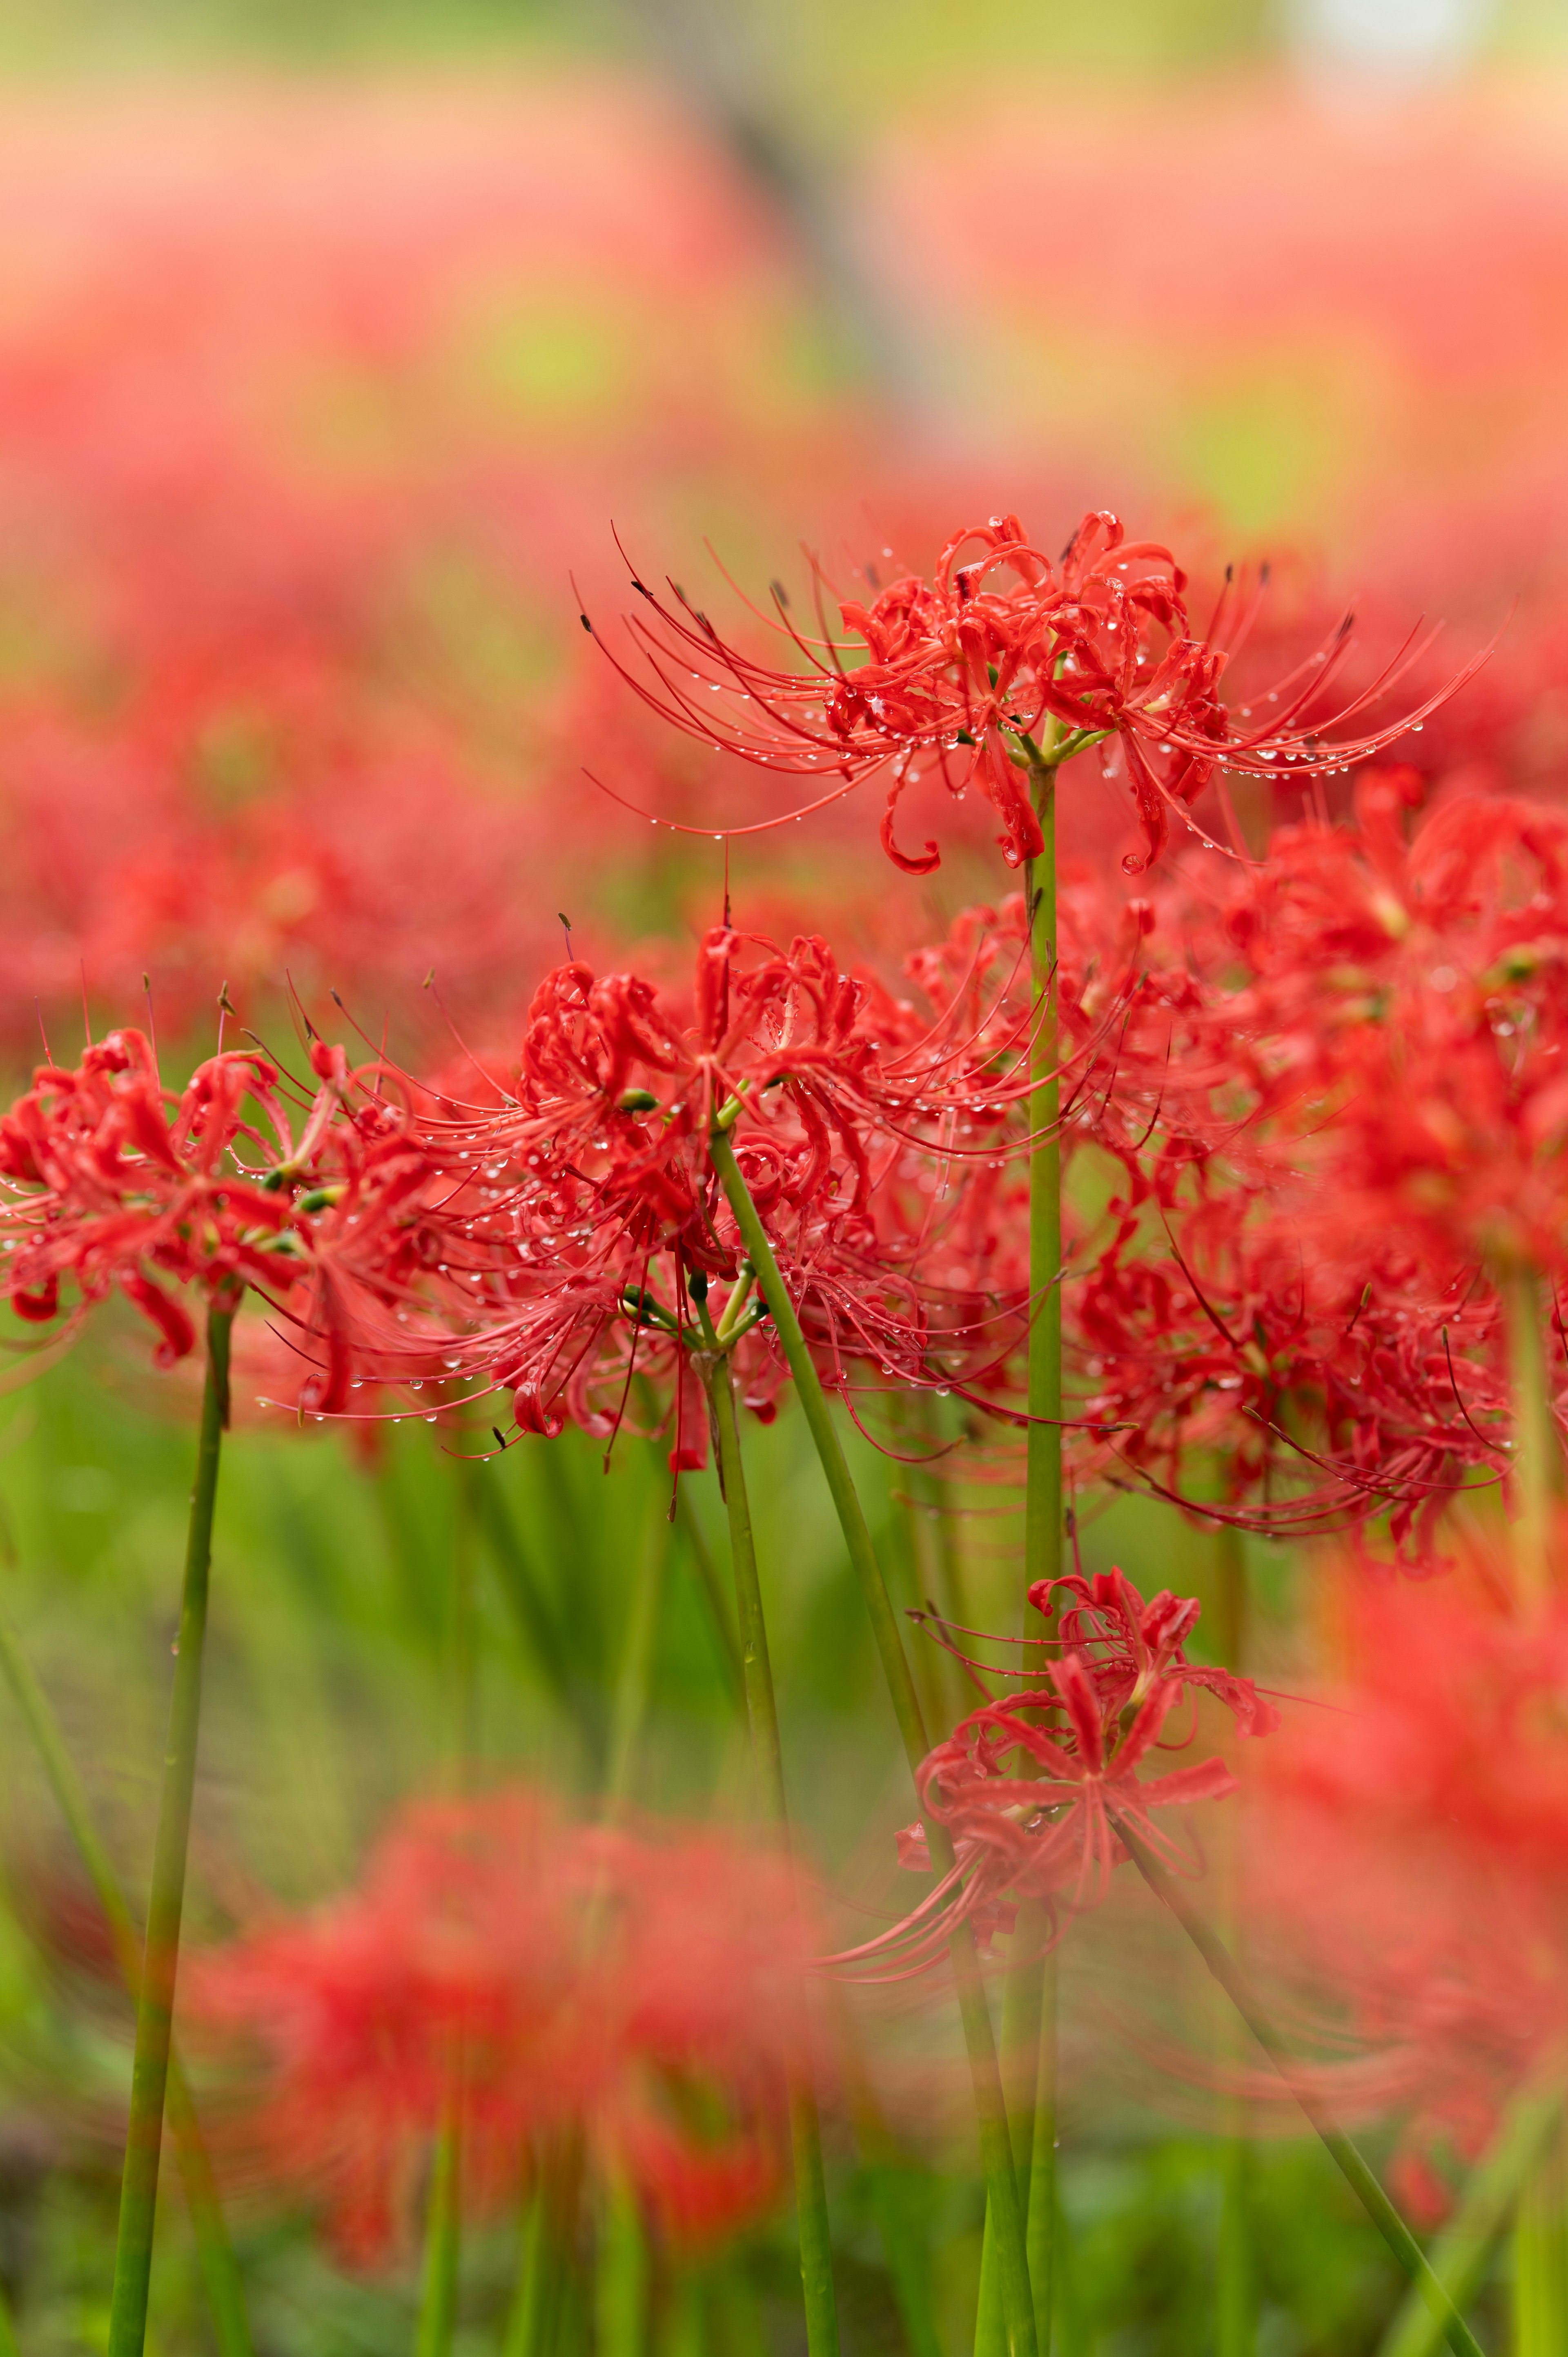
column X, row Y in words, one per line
column 541, row 1982
column 1401, row 1879
column 115, row 1184
column 1034, row 1788
column 583, row 1226
column 968, row 670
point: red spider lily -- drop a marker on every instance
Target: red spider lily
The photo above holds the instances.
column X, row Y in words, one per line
column 638, row 1991
column 120, row 1185
column 586, row 1208
column 1402, row 1026
column 1032, row 1788
column 1403, row 1855
column 966, row 671
column 1216, row 1342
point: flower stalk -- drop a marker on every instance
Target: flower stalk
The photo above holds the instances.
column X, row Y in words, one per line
column 979, row 2037
column 768, row 1768
column 215, row 2253
column 1361, row 2179
column 154, row 2004
column 1536, row 1450
column 1042, row 1459
column 1463, row 2252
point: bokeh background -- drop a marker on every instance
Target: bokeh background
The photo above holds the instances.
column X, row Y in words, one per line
column 335, row 339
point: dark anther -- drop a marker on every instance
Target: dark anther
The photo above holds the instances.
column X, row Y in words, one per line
column 586, row 624
column 779, row 592
column 1265, row 573
column 336, row 1001
column 497, row 1431
column 870, row 575
column 1230, row 575
column 640, row 587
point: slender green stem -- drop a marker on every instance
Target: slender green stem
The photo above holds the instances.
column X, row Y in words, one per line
column 526, row 1597
column 620, row 2278
column 707, row 1572
column 527, row 2332
column 1363, row 2182
column 154, row 2004
column 1541, row 2248
column 215, row 2253
column 1023, row 1993
column 1043, row 2198
column 1463, row 2251
column 896, row 2190
column 1043, row 1443
column 768, row 1762
column 1536, row 1451
column 443, row 2242
column 1235, row 2285
column 444, row 2200
column 629, row 1714
column 1043, row 1452
column 830, row 1452
column 996, row 2155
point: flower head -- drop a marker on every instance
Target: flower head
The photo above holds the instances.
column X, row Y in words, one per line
column 587, row 1213
column 967, row 671
column 114, row 1183
column 1404, row 1879
column 1034, row 1787
column 639, row 1990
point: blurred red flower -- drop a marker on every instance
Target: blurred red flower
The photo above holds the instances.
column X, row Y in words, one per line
column 641, row 1990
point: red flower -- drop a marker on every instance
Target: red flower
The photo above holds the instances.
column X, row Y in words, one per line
column 1403, row 1023
column 587, row 1213
column 1211, row 1337
column 639, row 1991
column 115, row 1183
column 1032, row 1788
column 1404, row 1849
column 965, row 670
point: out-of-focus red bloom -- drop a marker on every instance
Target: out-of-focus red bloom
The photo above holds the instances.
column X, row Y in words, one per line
column 1403, row 1024
column 639, row 1990
column 965, row 670
column 117, row 1184
column 1403, row 1878
column 1032, row 1787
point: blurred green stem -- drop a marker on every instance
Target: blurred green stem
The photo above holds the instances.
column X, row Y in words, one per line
column 707, row 1572
column 215, row 2253
column 996, row 2155
column 1235, row 2288
column 1463, row 2251
column 1026, row 2029
column 620, row 2278
column 1043, row 2202
column 1536, row 1451
column 1363, row 2182
column 767, row 1767
column 1043, row 1446
column 1540, row 2247
column 154, row 2003
column 443, row 2242
column 629, row 1714
column 443, row 2201
column 528, row 2330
